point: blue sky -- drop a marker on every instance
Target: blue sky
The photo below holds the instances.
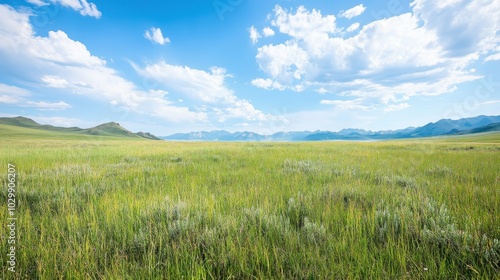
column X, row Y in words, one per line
column 265, row 66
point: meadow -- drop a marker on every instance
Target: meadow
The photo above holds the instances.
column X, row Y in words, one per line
column 104, row 208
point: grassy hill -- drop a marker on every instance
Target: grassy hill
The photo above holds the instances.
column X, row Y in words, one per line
column 110, row 129
column 24, row 127
column 19, row 121
column 148, row 135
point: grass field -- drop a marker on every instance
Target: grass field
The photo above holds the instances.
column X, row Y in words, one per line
column 103, row 208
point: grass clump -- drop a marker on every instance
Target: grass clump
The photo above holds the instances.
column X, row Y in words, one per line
column 425, row 224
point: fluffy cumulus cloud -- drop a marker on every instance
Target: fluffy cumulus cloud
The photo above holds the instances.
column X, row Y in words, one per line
column 353, row 12
column 303, row 24
column 60, row 63
column 427, row 51
column 283, row 62
column 60, row 49
column 82, row 6
column 268, row 32
column 155, row 35
column 65, row 66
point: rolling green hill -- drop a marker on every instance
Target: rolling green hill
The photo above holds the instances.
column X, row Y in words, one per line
column 110, row 129
column 25, row 127
column 148, row 135
column 14, row 132
column 19, row 121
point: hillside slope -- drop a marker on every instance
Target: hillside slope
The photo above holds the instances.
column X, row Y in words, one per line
column 487, row 128
column 111, row 129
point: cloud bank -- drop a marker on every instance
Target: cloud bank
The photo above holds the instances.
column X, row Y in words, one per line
column 428, row 51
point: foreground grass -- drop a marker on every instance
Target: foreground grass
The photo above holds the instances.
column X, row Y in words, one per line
column 146, row 210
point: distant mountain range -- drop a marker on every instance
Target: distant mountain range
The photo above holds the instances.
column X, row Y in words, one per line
column 444, row 127
column 440, row 128
column 107, row 129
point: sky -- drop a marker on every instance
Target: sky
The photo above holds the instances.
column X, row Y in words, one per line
column 166, row 66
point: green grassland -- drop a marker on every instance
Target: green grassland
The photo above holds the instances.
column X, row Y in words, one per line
column 105, row 208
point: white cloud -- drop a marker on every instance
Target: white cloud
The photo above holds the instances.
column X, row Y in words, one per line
column 206, row 88
column 57, row 48
column 463, row 27
column 267, row 84
column 38, row 3
column 489, row 102
column 12, row 95
column 254, row 34
column 201, row 85
column 262, row 83
column 13, row 90
column 396, row 107
column 283, row 62
column 48, row 106
column 55, row 82
column 322, row 90
column 74, row 4
column 303, row 23
column 363, row 104
column 241, row 108
column 354, row 11
column 410, row 45
column 59, row 121
column 349, row 105
column 85, row 8
column 353, row 27
column 59, row 62
column 19, row 96
column 494, row 56
column 388, row 60
column 268, row 32
column 89, row 9
column 8, row 99
column 155, row 35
